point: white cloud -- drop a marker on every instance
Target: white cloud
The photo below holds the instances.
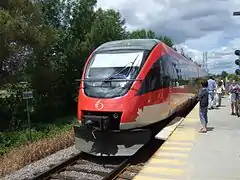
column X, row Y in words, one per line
column 196, row 26
column 219, row 59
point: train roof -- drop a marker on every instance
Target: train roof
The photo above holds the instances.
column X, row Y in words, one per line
column 172, row 52
column 144, row 44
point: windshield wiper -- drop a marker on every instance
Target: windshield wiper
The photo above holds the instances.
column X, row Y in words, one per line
column 130, row 69
column 121, row 70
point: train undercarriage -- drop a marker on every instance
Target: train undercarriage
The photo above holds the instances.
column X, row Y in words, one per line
column 99, row 135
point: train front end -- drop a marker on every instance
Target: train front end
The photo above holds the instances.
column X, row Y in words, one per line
column 107, row 103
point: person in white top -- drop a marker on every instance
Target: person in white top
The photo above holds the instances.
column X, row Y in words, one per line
column 219, row 90
column 223, row 88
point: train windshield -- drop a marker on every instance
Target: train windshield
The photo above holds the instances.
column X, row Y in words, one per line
column 104, row 65
column 111, row 74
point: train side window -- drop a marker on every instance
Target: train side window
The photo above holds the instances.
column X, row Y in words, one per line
column 166, row 77
column 180, row 72
column 183, row 73
column 174, row 77
column 153, row 79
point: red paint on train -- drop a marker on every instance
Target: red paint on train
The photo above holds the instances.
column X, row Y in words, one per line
column 115, row 124
column 130, row 103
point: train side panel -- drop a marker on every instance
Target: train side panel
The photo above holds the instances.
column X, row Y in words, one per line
column 168, row 85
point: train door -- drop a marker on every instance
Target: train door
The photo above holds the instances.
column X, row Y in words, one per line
column 158, row 96
column 154, row 109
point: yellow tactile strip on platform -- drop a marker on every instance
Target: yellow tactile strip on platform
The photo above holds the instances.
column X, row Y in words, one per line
column 169, row 161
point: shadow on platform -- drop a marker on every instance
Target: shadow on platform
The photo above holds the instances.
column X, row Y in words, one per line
column 210, row 128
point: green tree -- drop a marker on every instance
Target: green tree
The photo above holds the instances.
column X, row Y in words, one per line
column 232, row 77
column 107, row 26
column 224, row 74
column 82, row 17
column 47, row 43
column 21, row 31
column 166, row 40
column 141, row 34
column 149, row 34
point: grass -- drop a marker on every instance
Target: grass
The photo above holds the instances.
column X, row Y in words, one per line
column 10, row 140
column 25, row 154
column 16, row 150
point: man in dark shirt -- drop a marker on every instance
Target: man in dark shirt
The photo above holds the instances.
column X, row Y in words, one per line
column 203, row 106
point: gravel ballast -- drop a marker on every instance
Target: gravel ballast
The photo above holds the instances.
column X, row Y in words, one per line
column 44, row 164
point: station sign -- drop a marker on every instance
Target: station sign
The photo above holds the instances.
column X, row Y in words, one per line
column 27, row 95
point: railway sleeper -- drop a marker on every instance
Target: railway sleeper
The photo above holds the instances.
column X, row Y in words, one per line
column 126, row 176
column 62, row 177
column 89, row 171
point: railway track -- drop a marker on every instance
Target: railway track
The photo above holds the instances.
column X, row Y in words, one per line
column 86, row 167
column 130, row 172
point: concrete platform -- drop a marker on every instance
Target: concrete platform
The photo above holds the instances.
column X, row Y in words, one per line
column 190, row 155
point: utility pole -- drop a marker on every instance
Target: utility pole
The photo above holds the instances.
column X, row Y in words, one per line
column 237, row 52
column 206, row 59
column 203, row 58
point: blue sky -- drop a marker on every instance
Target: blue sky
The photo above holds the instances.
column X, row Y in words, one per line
column 195, row 25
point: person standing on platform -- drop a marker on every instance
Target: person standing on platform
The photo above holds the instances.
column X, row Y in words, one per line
column 234, row 89
column 223, row 88
column 219, row 92
column 211, row 90
column 203, row 106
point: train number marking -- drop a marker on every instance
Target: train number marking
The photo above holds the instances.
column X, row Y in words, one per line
column 99, row 105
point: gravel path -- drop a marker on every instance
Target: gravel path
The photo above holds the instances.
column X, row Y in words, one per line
column 39, row 166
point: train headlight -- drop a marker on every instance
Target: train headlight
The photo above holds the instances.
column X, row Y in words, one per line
column 89, row 123
column 115, row 115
